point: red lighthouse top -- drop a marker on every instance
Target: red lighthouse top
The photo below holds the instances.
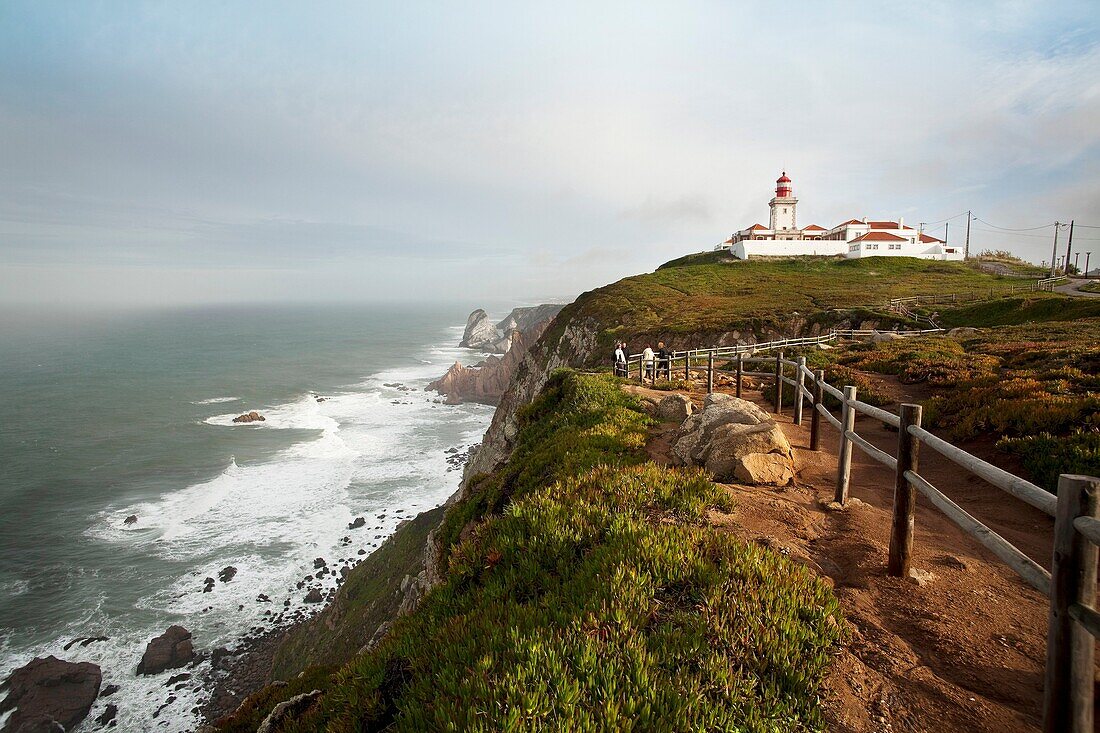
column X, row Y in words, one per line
column 783, row 186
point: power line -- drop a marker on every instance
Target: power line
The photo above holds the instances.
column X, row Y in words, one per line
column 942, row 221
column 1006, row 229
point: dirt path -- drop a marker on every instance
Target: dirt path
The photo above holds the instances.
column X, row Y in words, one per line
column 963, row 649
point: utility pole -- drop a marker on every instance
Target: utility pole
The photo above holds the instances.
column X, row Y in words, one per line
column 1054, row 252
column 966, row 251
column 945, row 240
column 1076, row 259
column 1069, row 245
column 1087, row 254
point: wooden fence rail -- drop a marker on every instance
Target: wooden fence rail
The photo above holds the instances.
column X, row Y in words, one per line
column 1074, row 622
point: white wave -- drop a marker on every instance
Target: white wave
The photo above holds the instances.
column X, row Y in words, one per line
column 269, row 519
column 215, row 400
column 303, row 414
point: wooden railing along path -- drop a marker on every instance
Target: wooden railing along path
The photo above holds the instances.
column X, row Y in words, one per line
column 1074, row 621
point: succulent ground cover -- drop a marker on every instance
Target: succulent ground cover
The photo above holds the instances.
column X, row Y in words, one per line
column 584, row 591
column 1034, row 387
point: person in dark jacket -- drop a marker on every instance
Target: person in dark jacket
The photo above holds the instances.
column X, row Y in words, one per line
column 664, row 360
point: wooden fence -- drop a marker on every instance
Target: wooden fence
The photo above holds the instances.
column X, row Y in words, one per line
column 1074, row 622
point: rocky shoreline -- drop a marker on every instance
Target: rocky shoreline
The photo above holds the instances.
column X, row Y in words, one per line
column 49, row 691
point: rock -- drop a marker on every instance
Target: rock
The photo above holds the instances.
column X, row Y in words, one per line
column 287, row 709
column 479, row 332
column 109, row 690
column 207, row 585
column 319, row 563
column 736, row 441
column 132, row 519
column 227, row 573
column 953, row 562
column 177, row 678
column 48, row 693
column 250, row 417
column 357, row 523
column 879, row 337
column 108, row 715
column 84, row 641
column 921, row 577
column 170, row 650
column 675, row 408
column 962, row 332
column 314, row 596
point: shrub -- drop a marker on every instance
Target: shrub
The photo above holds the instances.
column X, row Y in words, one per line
column 1046, row 456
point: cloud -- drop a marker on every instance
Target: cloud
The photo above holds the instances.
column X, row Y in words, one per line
column 521, row 148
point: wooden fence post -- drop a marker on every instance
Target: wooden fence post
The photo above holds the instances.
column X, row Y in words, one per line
column 710, row 373
column 740, row 369
column 779, row 383
column 801, row 382
column 844, row 461
column 641, row 369
column 815, row 415
column 905, row 495
column 1067, row 694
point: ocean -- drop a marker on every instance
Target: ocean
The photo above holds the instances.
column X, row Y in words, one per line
column 111, row 415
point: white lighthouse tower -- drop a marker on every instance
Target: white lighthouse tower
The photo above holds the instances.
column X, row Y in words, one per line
column 783, row 221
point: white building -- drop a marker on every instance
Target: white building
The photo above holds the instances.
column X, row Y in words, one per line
column 853, row 238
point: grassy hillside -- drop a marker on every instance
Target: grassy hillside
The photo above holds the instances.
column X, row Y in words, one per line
column 586, row 595
column 702, row 294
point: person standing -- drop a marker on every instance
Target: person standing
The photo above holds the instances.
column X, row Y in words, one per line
column 620, row 359
column 664, row 360
column 648, row 364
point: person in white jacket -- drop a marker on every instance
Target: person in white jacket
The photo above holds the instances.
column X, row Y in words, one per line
column 620, row 359
column 648, row 362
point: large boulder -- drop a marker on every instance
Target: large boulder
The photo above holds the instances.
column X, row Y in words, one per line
column 50, row 692
column 250, row 417
column 480, row 332
column 170, row 650
column 675, row 408
column 735, row 441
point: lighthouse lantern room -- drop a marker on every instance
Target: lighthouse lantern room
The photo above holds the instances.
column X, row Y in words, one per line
column 783, row 209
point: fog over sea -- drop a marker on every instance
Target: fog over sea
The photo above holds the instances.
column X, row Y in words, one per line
column 105, row 416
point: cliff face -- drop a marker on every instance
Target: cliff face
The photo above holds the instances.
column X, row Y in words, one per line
column 488, row 381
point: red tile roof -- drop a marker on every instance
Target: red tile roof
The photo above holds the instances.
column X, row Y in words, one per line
column 928, row 239
column 756, row 227
column 850, row 221
column 815, row 227
column 886, row 225
column 879, row 237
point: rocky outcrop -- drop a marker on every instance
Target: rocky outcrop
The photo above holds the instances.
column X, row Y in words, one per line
column 483, row 335
column 250, row 417
column 50, row 692
column 170, row 650
column 487, row 381
column 287, row 710
column 480, row 332
column 736, row 441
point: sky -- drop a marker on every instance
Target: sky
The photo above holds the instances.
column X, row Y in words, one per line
column 206, row 152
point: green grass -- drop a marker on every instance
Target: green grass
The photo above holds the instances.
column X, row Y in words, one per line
column 1018, row 310
column 696, row 298
column 1092, row 286
column 596, row 598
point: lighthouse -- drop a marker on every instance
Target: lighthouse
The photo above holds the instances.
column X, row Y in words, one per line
column 783, row 208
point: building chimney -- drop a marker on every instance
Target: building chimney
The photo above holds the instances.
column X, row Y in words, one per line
column 901, row 222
